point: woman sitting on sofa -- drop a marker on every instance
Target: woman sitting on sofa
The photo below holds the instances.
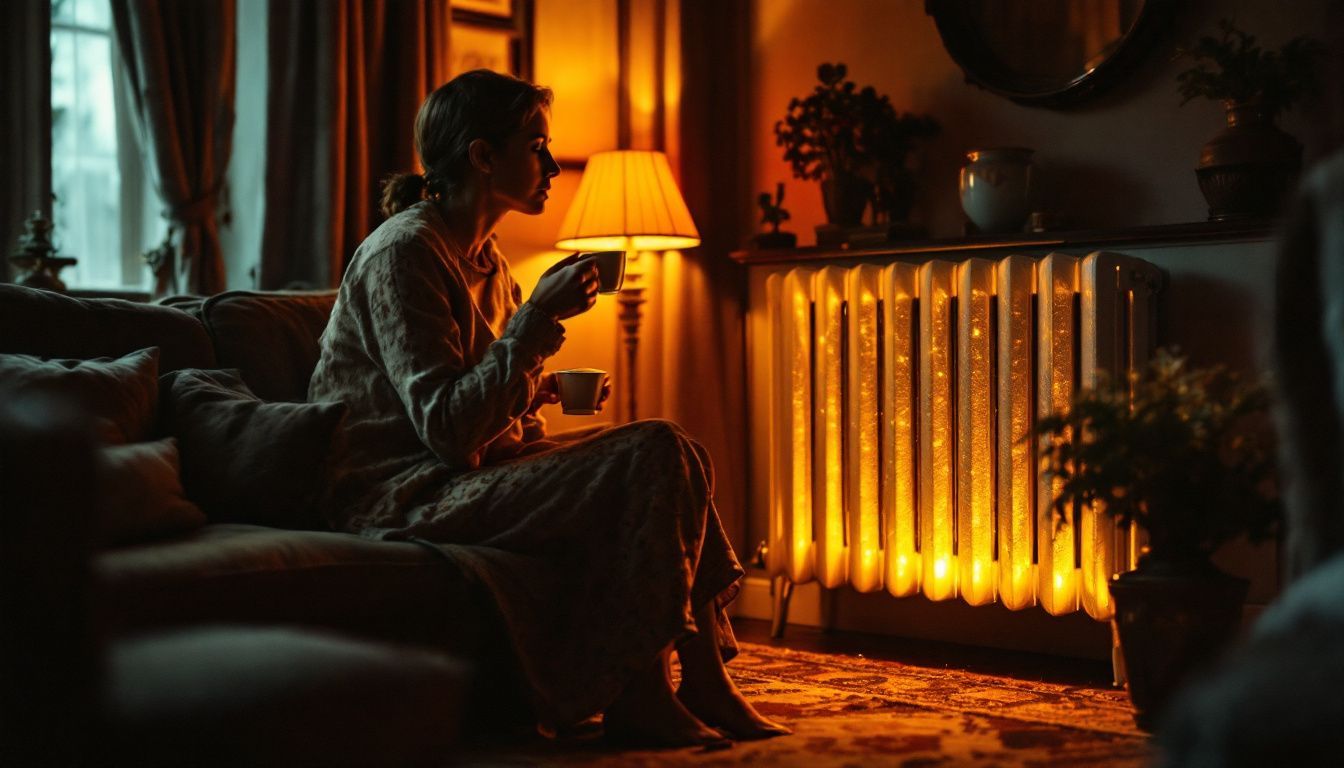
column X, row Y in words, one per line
column 604, row 552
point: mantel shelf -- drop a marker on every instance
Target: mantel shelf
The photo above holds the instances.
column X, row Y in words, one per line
column 966, row 247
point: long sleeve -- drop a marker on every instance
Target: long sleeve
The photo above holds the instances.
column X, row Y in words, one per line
column 412, row 332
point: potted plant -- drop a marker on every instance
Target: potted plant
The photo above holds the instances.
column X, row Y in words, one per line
column 1182, row 452
column 855, row 143
column 1248, row 168
column 773, row 213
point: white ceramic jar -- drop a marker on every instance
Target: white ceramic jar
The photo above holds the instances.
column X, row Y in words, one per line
column 996, row 188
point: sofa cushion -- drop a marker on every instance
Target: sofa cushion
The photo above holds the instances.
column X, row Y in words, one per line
column 257, row 575
column 271, row 337
column 232, row 696
column 46, row 324
column 248, row 461
column 120, row 395
column 141, row 494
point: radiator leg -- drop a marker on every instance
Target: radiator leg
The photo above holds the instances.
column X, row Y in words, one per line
column 781, row 589
column 1117, row 659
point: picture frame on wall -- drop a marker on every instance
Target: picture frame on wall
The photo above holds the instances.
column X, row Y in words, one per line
column 492, row 34
column 500, row 8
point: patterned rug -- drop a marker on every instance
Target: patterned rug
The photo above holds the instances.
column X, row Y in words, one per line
column 853, row 711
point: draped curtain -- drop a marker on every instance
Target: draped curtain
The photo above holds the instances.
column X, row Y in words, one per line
column 346, row 79
column 179, row 63
column 25, row 100
column 703, row 291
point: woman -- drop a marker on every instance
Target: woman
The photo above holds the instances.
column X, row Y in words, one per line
column 604, row 553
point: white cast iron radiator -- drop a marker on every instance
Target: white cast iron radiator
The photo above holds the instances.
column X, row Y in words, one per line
column 902, row 399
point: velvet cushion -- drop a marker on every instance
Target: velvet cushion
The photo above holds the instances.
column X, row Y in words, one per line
column 244, row 460
column 52, row 325
column 271, row 338
column 120, row 395
column 141, row 494
column 232, row 696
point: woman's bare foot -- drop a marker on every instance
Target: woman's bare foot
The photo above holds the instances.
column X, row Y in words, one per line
column 721, row 705
column 648, row 714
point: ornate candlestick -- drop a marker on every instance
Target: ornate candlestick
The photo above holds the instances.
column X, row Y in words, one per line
column 37, row 256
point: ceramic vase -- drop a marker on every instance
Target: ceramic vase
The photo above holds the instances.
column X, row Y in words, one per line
column 996, row 187
column 845, row 196
column 1248, row 169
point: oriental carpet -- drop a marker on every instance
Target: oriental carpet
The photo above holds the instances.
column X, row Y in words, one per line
column 847, row 710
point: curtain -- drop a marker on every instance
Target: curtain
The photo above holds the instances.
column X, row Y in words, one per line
column 346, row 79
column 25, row 100
column 180, row 61
column 704, row 291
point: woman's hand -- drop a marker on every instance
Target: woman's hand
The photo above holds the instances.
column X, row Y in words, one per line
column 606, row 392
column 568, row 288
column 548, row 393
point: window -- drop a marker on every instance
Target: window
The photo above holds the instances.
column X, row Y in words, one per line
column 105, row 215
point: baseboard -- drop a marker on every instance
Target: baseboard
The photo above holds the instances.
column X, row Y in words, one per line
column 1074, row 635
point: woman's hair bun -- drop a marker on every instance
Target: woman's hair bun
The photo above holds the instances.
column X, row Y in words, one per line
column 401, row 191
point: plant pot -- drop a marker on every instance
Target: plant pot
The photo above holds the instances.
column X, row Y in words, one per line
column 1248, row 169
column 996, row 188
column 845, row 196
column 1172, row 618
column 775, row 240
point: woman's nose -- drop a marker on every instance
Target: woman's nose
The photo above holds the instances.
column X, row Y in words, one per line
column 550, row 168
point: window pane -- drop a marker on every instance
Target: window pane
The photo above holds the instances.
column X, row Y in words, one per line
column 96, row 14
column 84, row 170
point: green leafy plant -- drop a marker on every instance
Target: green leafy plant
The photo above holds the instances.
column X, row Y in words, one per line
column 772, row 210
column 1179, row 450
column 1234, row 67
column 841, row 129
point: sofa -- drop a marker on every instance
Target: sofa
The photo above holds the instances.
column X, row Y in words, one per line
column 236, row 572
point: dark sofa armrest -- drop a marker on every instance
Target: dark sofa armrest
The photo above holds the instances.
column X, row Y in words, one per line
column 48, row 649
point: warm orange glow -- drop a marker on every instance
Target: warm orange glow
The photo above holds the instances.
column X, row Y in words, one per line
column 899, row 347
column 627, row 200
column 936, row 401
column 828, row 291
column 910, row 449
column 862, row 473
column 1016, row 282
column 1057, row 281
column 975, row 449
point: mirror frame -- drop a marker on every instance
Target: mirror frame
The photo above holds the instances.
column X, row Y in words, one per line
column 960, row 41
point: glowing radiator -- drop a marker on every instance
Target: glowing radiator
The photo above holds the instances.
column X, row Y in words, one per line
column 902, row 399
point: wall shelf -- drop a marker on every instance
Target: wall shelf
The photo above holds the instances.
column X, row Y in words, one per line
column 1202, row 232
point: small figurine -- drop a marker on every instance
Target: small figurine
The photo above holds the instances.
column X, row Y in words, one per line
column 37, row 256
column 773, row 213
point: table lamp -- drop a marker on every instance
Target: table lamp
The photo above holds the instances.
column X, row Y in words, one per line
column 627, row 200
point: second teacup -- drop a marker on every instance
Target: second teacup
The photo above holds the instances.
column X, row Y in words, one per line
column 580, row 390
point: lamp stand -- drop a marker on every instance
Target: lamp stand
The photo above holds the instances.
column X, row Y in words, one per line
column 631, row 298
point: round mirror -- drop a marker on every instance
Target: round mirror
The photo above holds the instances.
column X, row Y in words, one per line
column 1046, row 52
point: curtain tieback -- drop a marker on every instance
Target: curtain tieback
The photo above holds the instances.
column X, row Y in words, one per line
column 196, row 210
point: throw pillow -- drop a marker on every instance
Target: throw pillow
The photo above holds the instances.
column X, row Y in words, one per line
column 142, row 494
column 244, row 460
column 121, row 394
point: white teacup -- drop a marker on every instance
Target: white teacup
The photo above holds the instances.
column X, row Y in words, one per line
column 580, row 389
column 610, row 270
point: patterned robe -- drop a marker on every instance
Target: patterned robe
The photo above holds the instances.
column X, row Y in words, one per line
column 597, row 548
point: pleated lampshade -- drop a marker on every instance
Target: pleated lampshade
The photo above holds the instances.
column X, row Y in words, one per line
column 627, row 200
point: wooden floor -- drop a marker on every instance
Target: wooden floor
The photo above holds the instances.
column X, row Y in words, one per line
column 926, row 653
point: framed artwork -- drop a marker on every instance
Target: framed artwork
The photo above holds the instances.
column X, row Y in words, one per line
column 471, row 47
column 503, row 8
column 492, row 34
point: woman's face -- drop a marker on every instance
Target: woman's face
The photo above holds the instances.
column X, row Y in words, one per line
column 523, row 168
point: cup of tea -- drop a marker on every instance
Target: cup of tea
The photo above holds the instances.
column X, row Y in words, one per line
column 580, row 389
column 610, row 270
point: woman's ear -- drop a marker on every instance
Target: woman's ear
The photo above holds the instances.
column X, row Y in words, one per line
column 481, row 155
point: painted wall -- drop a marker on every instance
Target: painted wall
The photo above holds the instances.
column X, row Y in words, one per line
column 1124, row 159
